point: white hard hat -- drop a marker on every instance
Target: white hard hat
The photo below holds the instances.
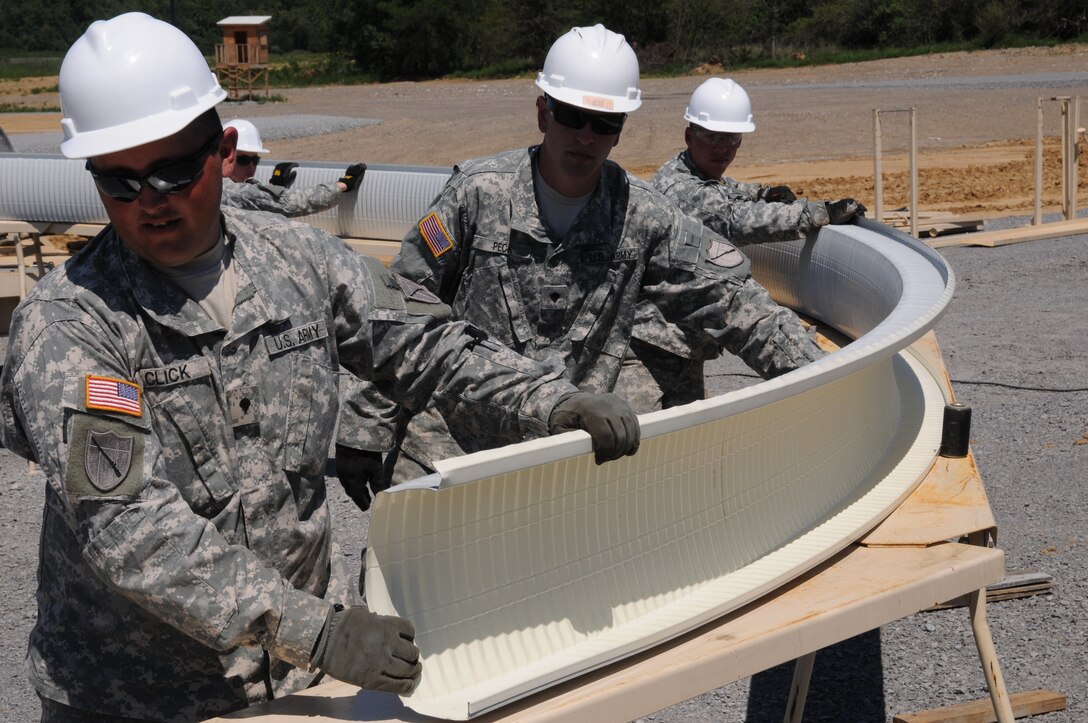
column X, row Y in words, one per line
column 720, row 105
column 592, row 68
column 249, row 140
column 128, row 81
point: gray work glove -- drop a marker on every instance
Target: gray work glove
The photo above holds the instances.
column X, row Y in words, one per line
column 372, row 651
column 283, row 174
column 353, row 176
column 361, row 473
column 609, row 420
column 779, row 194
column 844, row 211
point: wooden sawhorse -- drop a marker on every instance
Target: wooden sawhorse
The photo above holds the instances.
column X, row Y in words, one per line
column 34, row 230
column 15, row 231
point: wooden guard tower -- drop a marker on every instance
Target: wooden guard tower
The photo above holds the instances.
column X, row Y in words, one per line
column 241, row 60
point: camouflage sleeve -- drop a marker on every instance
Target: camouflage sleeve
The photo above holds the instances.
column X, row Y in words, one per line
column 751, row 191
column 367, row 417
column 743, row 220
column 700, row 299
column 253, row 196
column 767, row 336
column 408, row 348
column 311, row 199
column 433, row 250
column 68, row 400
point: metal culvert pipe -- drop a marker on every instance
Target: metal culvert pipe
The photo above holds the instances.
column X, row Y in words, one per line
column 52, row 188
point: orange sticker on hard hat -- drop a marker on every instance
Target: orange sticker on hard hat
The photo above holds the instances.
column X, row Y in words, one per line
column 596, row 101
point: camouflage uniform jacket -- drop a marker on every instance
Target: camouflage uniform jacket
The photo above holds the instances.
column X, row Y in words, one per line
column 186, row 562
column 630, row 256
column 253, row 195
column 735, row 209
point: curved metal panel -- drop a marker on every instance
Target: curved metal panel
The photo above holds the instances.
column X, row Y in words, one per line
column 523, row 566
column 41, row 187
column 48, row 188
column 388, row 201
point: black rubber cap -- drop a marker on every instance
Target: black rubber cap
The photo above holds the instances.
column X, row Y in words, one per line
column 956, row 433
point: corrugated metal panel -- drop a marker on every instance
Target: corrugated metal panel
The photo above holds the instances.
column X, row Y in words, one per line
column 41, row 187
column 387, row 203
column 525, row 565
column 48, row 188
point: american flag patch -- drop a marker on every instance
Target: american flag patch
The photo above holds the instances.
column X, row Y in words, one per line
column 435, row 234
column 113, row 395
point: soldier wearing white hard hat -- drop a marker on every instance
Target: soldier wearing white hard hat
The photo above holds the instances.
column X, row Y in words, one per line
column 559, row 252
column 177, row 383
column 242, row 190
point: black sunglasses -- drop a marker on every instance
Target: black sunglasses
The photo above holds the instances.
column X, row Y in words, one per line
column 608, row 124
column 718, row 138
column 247, row 160
column 172, row 178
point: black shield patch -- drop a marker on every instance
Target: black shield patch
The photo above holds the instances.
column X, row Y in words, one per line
column 107, row 459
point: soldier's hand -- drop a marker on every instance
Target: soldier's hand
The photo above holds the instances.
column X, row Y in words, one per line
column 779, row 194
column 353, row 176
column 361, row 473
column 376, row 652
column 844, row 211
column 609, row 420
column 283, row 174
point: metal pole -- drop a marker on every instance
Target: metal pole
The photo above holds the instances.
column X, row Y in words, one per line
column 878, row 178
column 1037, row 219
column 913, row 178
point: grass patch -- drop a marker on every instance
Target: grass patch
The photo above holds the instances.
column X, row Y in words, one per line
column 20, row 108
column 840, row 57
column 755, row 58
column 749, row 58
column 258, row 98
column 521, row 68
column 16, row 64
column 299, row 69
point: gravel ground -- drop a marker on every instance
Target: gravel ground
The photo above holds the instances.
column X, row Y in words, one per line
column 1015, row 340
column 272, row 129
column 1014, row 343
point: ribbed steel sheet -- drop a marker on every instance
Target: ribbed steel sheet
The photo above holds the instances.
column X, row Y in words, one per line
column 41, row 187
column 523, row 566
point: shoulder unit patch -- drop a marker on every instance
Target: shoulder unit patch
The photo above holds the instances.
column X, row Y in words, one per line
column 724, row 254
column 105, row 458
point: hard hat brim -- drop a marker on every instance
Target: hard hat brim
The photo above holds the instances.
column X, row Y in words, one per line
column 721, row 126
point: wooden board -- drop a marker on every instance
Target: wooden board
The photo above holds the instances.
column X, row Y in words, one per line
column 860, row 589
column 1015, row 235
column 1017, row 584
column 1033, row 702
column 933, row 224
